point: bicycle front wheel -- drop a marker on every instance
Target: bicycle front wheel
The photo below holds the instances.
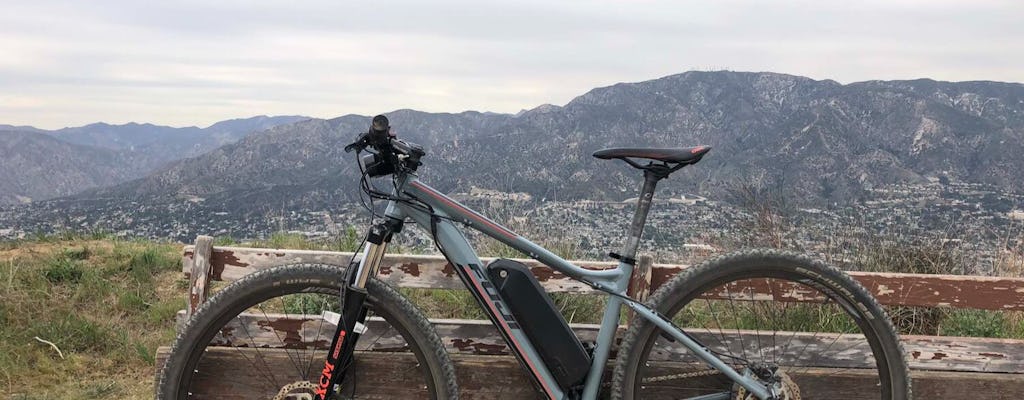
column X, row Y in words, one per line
column 266, row 336
column 802, row 328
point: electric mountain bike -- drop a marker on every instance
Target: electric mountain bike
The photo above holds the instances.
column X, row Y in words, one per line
column 757, row 324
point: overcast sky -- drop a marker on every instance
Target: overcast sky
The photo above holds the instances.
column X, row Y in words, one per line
column 185, row 63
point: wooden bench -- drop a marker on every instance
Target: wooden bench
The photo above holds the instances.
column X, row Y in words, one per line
column 946, row 367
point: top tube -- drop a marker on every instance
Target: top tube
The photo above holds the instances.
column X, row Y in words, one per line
column 458, row 212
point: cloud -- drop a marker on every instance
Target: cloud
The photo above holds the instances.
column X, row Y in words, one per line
column 193, row 63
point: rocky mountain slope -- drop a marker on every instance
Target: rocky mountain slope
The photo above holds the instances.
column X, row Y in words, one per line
column 291, row 166
column 41, row 164
column 160, row 144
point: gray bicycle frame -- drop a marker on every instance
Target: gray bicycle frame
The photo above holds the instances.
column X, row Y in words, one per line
column 467, row 264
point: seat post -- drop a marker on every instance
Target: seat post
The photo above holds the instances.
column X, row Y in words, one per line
column 643, row 207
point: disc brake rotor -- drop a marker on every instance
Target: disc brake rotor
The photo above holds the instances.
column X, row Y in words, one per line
column 789, row 389
column 297, row 391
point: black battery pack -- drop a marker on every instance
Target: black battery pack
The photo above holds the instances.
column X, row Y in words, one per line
column 533, row 309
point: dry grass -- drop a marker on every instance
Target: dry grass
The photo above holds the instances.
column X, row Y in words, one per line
column 106, row 304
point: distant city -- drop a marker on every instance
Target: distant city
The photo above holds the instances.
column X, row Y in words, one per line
column 977, row 218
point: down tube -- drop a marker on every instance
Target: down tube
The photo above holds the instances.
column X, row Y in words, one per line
column 469, row 268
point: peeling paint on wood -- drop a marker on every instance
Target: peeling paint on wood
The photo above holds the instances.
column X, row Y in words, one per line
column 481, row 338
column 199, row 276
column 422, row 271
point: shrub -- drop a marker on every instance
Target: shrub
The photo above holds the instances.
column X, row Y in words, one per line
column 913, row 258
column 63, row 270
column 77, row 253
column 224, row 241
column 347, row 241
column 146, row 263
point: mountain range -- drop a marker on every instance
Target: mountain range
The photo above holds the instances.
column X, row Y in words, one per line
column 818, row 142
column 41, row 164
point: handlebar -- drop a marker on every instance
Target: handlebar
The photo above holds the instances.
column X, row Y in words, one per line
column 392, row 154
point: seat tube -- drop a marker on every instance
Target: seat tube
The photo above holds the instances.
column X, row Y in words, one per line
column 643, row 207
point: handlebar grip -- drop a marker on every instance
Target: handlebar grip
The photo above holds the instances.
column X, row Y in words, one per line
column 377, row 135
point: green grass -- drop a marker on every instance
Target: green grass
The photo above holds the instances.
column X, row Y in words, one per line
column 105, row 303
column 61, row 270
column 982, row 323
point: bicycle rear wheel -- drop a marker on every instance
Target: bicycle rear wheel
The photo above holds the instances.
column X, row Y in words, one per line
column 800, row 326
column 266, row 336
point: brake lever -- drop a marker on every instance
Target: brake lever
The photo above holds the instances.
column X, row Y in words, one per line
column 358, row 145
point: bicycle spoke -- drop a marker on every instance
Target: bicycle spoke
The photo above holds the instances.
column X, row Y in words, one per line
column 783, row 321
column 258, row 355
column 284, row 345
column 735, row 317
column 757, row 332
column 320, row 327
column 720, row 331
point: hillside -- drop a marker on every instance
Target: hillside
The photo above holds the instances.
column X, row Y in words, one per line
column 299, row 165
column 37, row 166
column 156, row 139
column 41, row 164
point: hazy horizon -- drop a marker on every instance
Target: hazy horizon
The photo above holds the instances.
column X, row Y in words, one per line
column 196, row 63
column 210, row 123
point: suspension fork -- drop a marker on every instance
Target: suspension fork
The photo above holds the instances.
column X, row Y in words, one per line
column 353, row 301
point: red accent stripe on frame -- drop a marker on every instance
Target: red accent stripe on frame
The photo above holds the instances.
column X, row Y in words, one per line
column 508, row 331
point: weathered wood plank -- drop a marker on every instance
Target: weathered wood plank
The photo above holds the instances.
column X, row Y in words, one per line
column 805, row 349
column 235, row 373
column 825, row 383
column 415, row 271
column 384, row 376
column 199, row 272
column 640, row 283
column 422, row 271
column 923, row 290
column 954, row 291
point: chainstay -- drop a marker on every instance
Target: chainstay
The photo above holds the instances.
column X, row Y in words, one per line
column 674, row 377
column 681, row 376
